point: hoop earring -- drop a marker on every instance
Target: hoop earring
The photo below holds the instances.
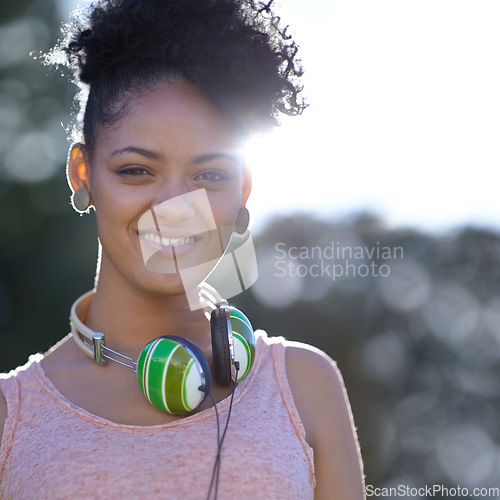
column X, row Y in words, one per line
column 242, row 221
column 81, row 200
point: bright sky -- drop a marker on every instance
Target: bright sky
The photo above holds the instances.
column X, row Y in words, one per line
column 404, row 115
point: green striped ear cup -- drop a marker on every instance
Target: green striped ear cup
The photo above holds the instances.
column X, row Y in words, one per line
column 220, row 347
column 243, row 341
column 173, row 374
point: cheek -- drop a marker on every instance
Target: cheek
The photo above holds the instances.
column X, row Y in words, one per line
column 227, row 226
column 225, row 209
column 113, row 201
column 114, row 213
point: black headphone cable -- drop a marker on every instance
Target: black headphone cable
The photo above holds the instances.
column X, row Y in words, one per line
column 220, row 440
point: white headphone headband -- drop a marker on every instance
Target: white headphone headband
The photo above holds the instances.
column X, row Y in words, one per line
column 83, row 335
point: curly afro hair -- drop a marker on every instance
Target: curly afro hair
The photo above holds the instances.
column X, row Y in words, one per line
column 235, row 52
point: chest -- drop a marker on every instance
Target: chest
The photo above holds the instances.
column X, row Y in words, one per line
column 70, row 456
column 112, row 392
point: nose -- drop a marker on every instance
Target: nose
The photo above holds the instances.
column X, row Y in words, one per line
column 174, row 209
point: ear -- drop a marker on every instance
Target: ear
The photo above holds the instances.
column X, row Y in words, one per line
column 78, row 168
column 246, row 184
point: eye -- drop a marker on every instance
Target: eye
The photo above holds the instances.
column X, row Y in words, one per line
column 133, row 171
column 212, row 176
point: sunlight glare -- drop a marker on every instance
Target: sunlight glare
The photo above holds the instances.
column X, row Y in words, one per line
column 403, row 117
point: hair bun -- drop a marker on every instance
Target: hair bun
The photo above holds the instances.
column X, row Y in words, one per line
column 233, row 51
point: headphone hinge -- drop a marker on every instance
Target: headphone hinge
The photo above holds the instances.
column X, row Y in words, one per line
column 98, row 343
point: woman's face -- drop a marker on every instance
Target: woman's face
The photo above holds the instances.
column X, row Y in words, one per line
column 163, row 180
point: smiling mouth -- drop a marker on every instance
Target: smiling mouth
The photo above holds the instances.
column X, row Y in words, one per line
column 168, row 242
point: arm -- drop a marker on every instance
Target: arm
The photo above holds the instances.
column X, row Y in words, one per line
column 321, row 400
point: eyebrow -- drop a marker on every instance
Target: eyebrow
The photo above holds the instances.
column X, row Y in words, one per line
column 237, row 160
column 151, row 155
column 197, row 160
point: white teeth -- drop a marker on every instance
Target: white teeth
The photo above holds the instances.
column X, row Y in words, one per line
column 174, row 242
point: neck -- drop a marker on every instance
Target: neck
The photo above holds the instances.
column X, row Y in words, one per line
column 130, row 317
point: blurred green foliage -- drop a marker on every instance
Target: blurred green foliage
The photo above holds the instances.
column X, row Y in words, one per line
column 419, row 348
column 42, row 250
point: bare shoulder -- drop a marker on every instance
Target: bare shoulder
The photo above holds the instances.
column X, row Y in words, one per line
column 321, row 399
column 310, row 362
column 3, row 413
column 316, row 383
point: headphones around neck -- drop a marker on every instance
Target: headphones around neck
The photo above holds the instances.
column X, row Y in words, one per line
column 172, row 371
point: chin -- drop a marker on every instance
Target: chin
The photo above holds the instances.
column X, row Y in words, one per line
column 168, row 285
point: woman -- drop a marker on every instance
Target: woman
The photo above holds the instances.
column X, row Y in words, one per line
column 170, row 92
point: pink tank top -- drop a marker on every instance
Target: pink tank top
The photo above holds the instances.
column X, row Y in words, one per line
column 52, row 449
